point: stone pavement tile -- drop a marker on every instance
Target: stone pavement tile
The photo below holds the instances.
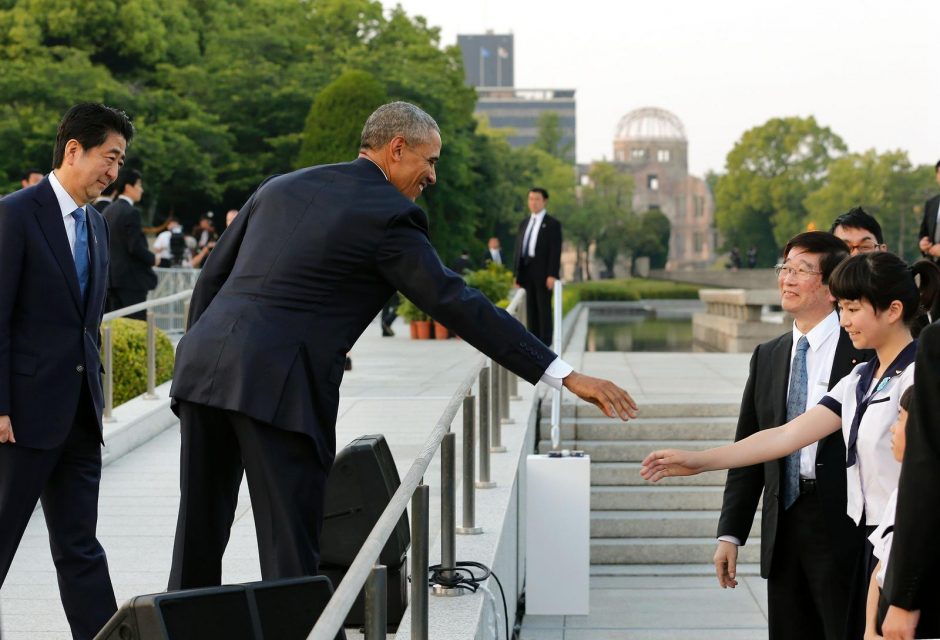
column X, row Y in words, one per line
column 758, row 588
column 542, row 634
column 683, row 608
column 694, row 633
column 652, row 582
column 543, row 622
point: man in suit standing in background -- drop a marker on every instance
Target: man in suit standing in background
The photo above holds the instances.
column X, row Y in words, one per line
column 493, row 253
column 929, row 229
column 53, row 281
column 132, row 262
column 809, row 546
column 291, row 285
column 538, row 262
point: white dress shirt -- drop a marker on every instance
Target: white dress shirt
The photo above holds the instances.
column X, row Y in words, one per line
column 823, row 339
column 495, row 256
column 870, row 481
column 535, row 223
column 67, row 205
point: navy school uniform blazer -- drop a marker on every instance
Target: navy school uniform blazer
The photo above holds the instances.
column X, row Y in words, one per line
column 308, row 262
column 49, row 338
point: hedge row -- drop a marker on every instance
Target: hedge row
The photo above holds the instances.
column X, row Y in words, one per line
column 129, row 355
column 626, row 290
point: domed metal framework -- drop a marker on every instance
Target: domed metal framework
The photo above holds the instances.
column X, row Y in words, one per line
column 650, row 123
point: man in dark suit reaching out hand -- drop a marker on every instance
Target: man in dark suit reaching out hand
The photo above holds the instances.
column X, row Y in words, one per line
column 306, row 265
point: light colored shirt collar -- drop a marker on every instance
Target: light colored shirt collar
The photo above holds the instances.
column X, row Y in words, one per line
column 820, row 334
column 126, row 199
column 377, row 165
column 539, row 214
column 66, row 204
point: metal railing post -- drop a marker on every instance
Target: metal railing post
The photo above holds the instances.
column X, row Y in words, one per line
column 419, row 562
column 496, row 424
column 376, row 609
column 504, row 395
column 514, row 387
column 556, row 343
column 448, row 515
column 151, row 356
column 108, row 382
column 186, row 314
column 469, row 463
column 484, row 481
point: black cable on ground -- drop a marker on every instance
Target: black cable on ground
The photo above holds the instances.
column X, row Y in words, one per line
column 464, row 578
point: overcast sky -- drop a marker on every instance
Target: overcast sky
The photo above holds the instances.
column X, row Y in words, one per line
column 869, row 70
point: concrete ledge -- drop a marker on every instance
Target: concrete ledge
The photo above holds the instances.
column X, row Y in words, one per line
column 135, row 422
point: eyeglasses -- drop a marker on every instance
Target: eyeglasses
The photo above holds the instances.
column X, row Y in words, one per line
column 783, row 270
column 863, row 246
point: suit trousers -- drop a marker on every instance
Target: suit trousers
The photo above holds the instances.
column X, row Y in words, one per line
column 66, row 480
column 807, row 593
column 286, row 482
column 120, row 298
column 538, row 300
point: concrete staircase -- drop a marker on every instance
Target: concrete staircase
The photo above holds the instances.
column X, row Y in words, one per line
column 642, row 528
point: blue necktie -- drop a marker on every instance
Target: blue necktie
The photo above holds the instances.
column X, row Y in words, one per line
column 796, row 405
column 81, row 249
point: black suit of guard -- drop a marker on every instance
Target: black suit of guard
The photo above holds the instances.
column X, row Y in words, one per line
column 809, row 552
column 306, row 265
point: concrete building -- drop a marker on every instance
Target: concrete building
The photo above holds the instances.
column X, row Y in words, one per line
column 487, row 59
column 651, row 144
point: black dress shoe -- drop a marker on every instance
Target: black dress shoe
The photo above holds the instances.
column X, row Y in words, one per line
column 387, row 330
column 348, row 366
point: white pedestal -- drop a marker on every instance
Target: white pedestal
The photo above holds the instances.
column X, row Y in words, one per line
column 558, row 535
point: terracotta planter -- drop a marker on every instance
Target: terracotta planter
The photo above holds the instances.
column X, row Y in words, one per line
column 414, row 330
column 440, row 331
column 423, row 329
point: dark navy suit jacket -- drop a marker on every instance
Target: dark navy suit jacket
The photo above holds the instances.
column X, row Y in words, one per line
column 308, row 262
column 49, row 340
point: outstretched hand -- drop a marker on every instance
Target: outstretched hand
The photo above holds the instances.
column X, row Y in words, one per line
column 668, row 463
column 604, row 394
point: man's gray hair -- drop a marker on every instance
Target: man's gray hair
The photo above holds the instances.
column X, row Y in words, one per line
column 397, row 119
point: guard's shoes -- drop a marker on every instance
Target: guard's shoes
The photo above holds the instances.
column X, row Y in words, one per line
column 387, row 330
column 348, row 365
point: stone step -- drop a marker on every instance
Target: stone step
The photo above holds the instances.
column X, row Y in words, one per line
column 628, row 474
column 664, row 551
column 673, row 570
column 677, row 498
column 658, row 524
column 628, row 450
column 718, row 428
column 651, row 410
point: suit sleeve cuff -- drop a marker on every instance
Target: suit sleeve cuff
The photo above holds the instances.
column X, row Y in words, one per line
column 557, row 371
column 732, row 539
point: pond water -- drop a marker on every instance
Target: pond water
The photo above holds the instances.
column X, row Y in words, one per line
column 642, row 333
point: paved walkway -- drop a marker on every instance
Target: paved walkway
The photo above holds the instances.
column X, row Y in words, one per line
column 397, row 387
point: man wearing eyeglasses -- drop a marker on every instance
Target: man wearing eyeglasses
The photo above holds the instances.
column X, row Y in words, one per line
column 809, row 547
column 860, row 231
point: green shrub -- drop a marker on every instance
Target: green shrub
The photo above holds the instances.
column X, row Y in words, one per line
column 494, row 281
column 409, row 311
column 627, row 290
column 129, row 357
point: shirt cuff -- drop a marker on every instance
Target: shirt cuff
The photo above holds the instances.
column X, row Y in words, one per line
column 557, row 371
column 733, row 540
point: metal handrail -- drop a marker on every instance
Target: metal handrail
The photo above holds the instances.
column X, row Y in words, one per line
column 334, row 615
column 151, row 348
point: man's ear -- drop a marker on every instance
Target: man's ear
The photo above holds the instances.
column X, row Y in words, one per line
column 396, row 147
column 73, row 148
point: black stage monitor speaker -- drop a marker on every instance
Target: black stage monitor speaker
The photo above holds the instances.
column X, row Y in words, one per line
column 360, row 486
column 273, row 610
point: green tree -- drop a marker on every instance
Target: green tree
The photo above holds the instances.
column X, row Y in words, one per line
column 653, row 240
column 607, row 205
column 769, row 173
column 885, row 185
column 334, row 124
column 549, row 137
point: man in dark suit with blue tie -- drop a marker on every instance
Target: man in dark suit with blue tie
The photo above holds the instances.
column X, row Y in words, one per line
column 291, row 285
column 809, row 546
column 53, row 280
